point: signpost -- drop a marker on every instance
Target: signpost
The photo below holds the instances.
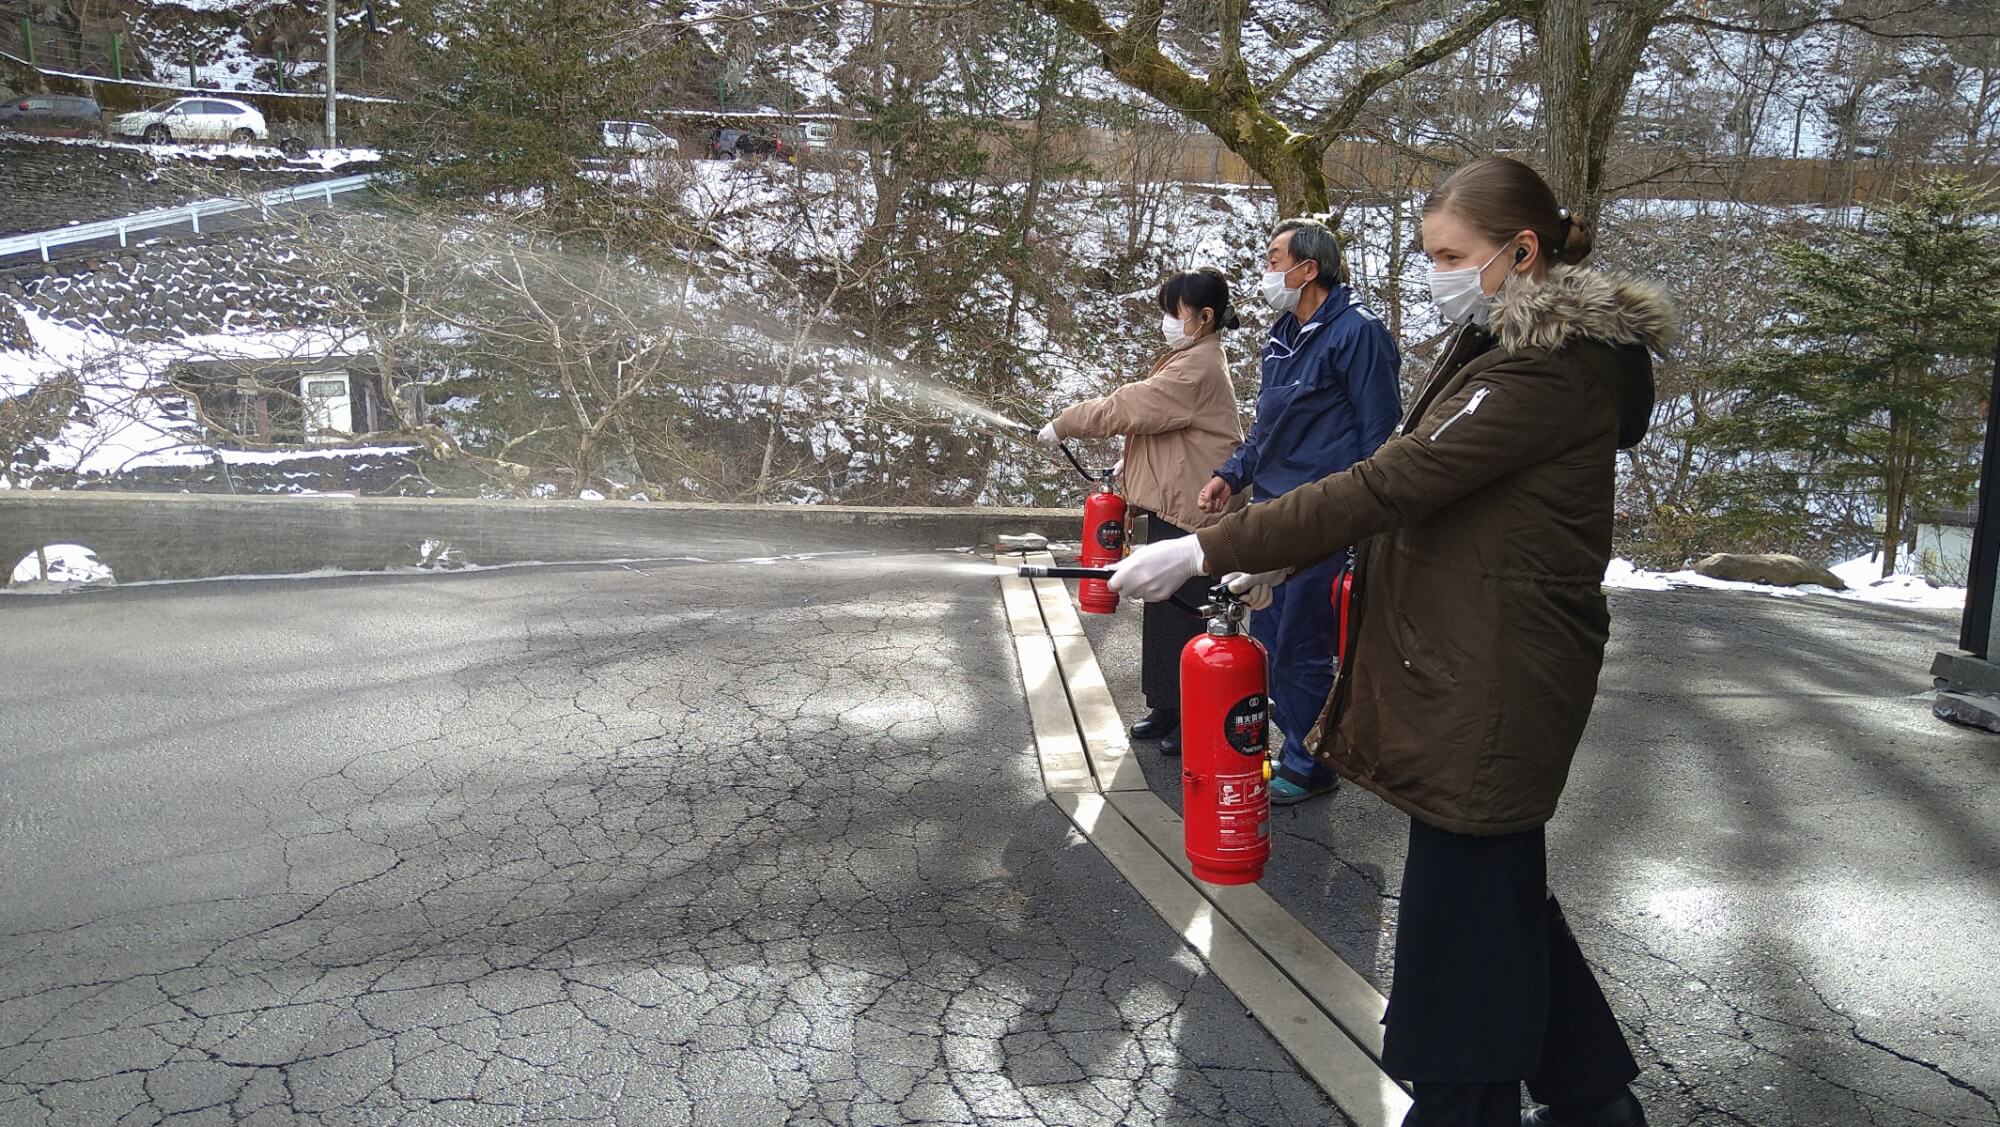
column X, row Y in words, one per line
column 1968, row 681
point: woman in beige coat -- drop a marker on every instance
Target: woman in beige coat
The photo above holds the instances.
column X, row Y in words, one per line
column 1179, row 423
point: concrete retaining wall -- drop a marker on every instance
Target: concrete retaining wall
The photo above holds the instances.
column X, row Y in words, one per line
column 185, row 536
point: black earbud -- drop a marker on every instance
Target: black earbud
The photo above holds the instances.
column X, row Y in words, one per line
column 1520, row 254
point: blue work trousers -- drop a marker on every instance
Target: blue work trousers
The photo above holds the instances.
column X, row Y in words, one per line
column 1297, row 630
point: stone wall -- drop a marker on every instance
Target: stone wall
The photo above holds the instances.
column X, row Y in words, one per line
column 49, row 184
column 184, row 536
column 240, row 280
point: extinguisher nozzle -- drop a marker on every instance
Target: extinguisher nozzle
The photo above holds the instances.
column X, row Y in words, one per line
column 1043, row 571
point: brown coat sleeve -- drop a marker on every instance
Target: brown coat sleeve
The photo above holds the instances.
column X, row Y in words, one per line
column 1521, row 411
column 1167, row 400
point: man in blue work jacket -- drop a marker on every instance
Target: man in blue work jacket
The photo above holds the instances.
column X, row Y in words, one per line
column 1327, row 399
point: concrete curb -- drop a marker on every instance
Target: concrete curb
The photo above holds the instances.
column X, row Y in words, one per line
column 145, row 536
column 1321, row 1010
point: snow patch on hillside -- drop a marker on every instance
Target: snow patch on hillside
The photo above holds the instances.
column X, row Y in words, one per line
column 135, row 419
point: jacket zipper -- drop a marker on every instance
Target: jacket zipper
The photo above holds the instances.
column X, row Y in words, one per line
column 1471, row 405
column 1444, row 358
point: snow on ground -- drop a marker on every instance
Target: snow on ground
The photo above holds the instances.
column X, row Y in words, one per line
column 67, row 564
column 1862, row 576
column 80, row 567
column 279, row 457
column 329, row 159
column 324, row 159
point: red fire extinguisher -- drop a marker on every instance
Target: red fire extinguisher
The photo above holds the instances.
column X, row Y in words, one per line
column 1103, row 544
column 1343, row 605
column 1225, row 768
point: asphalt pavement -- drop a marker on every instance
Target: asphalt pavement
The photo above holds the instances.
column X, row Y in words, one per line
column 1785, row 871
column 648, row 844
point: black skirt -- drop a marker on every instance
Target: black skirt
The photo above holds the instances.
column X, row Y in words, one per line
column 1490, row 985
column 1166, row 629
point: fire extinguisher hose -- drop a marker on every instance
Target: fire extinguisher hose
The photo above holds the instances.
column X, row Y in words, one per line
column 1045, row 571
column 1026, row 434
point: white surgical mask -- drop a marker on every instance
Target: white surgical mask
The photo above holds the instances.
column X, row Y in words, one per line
column 1173, row 328
column 1459, row 294
column 1278, row 295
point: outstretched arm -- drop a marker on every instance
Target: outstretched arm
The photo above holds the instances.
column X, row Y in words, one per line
column 1509, row 417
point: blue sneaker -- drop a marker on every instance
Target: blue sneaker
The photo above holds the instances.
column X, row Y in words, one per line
column 1285, row 792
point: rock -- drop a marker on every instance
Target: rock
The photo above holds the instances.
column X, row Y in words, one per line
column 1776, row 570
column 1972, row 710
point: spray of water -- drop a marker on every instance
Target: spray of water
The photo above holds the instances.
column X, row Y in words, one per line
column 652, row 300
column 938, row 397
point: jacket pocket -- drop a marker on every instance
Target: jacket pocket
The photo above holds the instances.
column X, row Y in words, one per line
column 1418, row 655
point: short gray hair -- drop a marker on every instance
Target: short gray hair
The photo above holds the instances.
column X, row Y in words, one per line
column 1314, row 240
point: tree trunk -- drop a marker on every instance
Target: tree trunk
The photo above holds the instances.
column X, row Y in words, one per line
column 771, row 432
column 1564, row 35
column 1897, row 477
column 1291, row 165
column 1584, row 86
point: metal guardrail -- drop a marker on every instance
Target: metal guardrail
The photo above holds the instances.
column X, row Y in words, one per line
column 124, row 226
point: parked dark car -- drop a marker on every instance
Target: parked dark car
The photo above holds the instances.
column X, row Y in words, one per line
column 730, row 143
column 56, row 115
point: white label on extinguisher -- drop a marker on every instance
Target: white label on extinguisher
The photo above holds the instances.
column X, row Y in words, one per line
column 1242, row 810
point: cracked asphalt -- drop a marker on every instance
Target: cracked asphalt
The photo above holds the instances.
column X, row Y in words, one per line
column 1785, row 871
column 650, row 844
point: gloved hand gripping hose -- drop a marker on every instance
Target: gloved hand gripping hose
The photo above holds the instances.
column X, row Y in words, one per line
column 1219, row 596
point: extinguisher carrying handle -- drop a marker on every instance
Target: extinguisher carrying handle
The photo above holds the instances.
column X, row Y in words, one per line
column 1044, row 571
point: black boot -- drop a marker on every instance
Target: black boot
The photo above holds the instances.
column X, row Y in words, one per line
column 1621, row 1112
column 1159, row 722
column 1170, row 745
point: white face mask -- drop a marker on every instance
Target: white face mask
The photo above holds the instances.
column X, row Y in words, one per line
column 1173, row 328
column 1277, row 295
column 1459, row 294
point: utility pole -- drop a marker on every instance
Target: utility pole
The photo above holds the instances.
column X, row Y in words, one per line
column 332, row 34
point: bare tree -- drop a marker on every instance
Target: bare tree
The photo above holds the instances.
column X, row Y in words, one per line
column 1227, row 99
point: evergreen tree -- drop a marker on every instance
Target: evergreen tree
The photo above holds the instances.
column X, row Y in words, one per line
column 1873, row 380
column 507, row 94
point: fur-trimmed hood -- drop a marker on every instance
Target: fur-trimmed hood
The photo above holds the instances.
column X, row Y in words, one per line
column 1572, row 302
column 1571, row 305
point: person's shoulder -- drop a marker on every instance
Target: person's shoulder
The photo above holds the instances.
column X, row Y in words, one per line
column 1366, row 314
column 1353, row 324
column 1207, row 352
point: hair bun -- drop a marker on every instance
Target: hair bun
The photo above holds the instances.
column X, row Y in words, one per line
column 1230, row 320
column 1575, row 240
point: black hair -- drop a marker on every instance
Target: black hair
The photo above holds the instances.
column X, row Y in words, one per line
column 1201, row 288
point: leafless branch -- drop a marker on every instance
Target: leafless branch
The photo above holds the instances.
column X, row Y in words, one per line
column 1345, row 112
column 1869, row 25
column 1342, row 34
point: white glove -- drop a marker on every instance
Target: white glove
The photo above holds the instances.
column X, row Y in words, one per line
column 1156, row 571
column 1048, row 437
column 1256, row 587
